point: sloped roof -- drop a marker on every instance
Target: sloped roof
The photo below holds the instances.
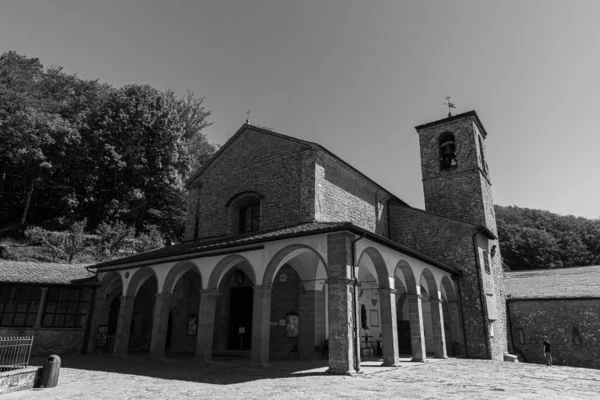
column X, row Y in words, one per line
column 183, row 251
column 578, row 282
column 40, row 272
column 302, row 142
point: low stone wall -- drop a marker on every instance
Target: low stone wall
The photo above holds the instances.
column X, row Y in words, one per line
column 48, row 341
column 19, row 379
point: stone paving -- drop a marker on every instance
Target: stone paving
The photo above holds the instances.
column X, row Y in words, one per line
column 106, row 377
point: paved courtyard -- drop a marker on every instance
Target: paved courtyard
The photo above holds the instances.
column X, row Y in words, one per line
column 106, row 377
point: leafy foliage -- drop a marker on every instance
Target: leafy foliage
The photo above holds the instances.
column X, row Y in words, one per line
column 538, row 239
column 77, row 149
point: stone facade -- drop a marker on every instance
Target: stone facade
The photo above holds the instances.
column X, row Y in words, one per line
column 463, row 192
column 572, row 326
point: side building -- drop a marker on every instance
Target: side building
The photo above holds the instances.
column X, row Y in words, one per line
column 48, row 301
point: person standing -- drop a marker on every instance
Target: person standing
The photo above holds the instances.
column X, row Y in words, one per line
column 547, row 351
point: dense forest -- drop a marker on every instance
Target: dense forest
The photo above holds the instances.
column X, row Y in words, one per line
column 538, row 239
column 74, row 150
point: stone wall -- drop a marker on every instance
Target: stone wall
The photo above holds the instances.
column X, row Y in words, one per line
column 557, row 318
column 451, row 242
column 48, row 341
column 275, row 167
column 343, row 195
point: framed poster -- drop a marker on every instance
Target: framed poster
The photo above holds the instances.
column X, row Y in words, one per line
column 374, row 317
column 291, row 328
column 102, row 337
column 192, row 325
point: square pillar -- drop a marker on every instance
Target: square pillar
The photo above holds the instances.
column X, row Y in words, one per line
column 437, row 323
column 158, row 341
column 261, row 325
column 344, row 358
column 455, row 331
column 124, row 325
column 311, row 322
column 389, row 327
column 99, row 304
column 206, row 324
column 417, row 332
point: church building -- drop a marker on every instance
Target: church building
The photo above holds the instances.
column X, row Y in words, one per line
column 292, row 252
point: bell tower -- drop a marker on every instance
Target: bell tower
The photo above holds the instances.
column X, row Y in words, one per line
column 456, row 179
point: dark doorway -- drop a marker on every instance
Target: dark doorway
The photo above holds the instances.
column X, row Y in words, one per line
column 240, row 318
column 404, row 344
column 113, row 315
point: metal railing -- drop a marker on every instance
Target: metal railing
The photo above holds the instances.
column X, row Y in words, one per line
column 15, row 352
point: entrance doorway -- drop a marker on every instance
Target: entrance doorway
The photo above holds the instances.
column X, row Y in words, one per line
column 240, row 318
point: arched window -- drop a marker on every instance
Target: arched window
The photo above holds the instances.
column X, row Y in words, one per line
column 483, row 162
column 447, row 146
column 576, row 336
column 245, row 212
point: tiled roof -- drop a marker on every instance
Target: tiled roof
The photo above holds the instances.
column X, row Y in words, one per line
column 180, row 251
column 579, row 282
column 40, row 272
column 227, row 241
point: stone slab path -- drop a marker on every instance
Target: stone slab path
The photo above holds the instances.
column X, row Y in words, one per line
column 110, row 378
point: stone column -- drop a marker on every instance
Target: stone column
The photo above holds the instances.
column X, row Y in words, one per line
column 389, row 327
column 455, row 334
column 417, row 332
column 160, row 320
column 40, row 314
column 311, row 322
column 206, row 324
column 261, row 325
column 100, row 303
column 437, row 323
column 343, row 357
column 124, row 325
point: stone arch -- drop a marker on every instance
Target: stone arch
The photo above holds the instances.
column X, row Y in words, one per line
column 448, row 287
column 432, row 288
column 138, row 279
column 109, row 282
column 409, row 276
column 381, row 272
column 176, row 272
column 287, row 254
column 223, row 266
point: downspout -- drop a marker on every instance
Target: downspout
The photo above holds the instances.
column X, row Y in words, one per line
column 88, row 326
column 462, row 316
column 356, row 338
column 481, row 294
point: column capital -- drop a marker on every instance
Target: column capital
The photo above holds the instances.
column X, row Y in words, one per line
column 388, row 290
column 213, row 292
column 125, row 298
column 414, row 296
column 263, row 288
column 162, row 294
column 436, row 301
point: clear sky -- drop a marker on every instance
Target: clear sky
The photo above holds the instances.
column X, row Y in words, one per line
column 358, row 76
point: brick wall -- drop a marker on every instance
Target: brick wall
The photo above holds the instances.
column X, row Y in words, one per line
column 449, row 242
column 284, row 300
column 556, row 318
column 48, row 341
column 342, row 194
column 277, row 168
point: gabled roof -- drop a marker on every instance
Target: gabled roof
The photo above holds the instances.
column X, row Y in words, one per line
column 40, row 272
column 192, row 249
column 306, row 143
column 577, row 282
